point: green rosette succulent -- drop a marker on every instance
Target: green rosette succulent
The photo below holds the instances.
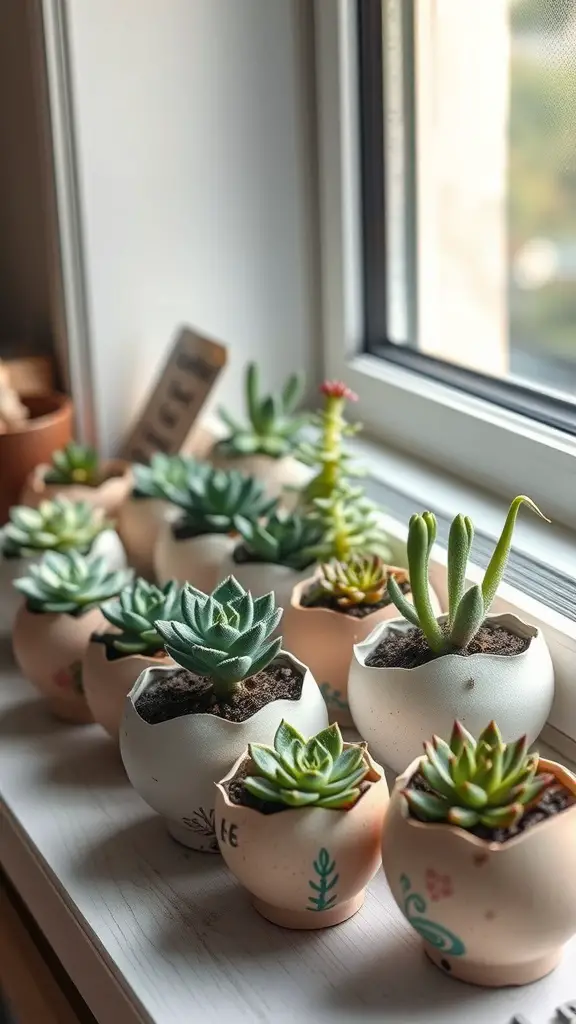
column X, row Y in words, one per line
column 225, row 635
column 361, row 581
column 284, row 539
column 212, row 502
column 74, row 464
column 273, row 427
column 484, row 782
column 319, row 772
column 135, row 613
column 69, row 583
column 163, row 474
column 58, row 525
column 467, row 609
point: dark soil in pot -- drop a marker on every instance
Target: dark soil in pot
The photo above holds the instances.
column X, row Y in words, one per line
column 410, row 649
column 355, row 611
column 555, row 799
column 183, row 693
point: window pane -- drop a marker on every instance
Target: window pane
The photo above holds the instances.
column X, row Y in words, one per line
column 493, row 131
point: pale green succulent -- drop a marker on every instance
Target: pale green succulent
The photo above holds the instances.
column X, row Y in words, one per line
column 135, row 613
column 58, row 525
column 320, row 772
column 74, row 464
column 284, row 539
column 163, row 474
column 69, row 583
column 466, row 609
column 225, row 636
column 484, row 782
column 273, row 427
column 212, row 501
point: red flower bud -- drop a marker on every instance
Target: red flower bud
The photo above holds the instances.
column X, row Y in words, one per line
column 338, row 389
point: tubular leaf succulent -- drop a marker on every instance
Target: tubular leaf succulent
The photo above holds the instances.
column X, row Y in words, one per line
column 224, row 636
column 285, row 539
column 74, row 464
column 350, row 524
column 273, row 426
column 320, row 772
column 135, row 614
column 361, row 581
column 467, row 608
column 58, row 525
column 484, row 782
column 69, row 583
column 163, row 474
column 212, row 501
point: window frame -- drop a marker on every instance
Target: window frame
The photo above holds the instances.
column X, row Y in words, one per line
column 491, row 446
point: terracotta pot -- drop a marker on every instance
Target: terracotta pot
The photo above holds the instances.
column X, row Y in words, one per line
column 397, row 709
column 305, row 868
column 262, row 577
column 196, row 560
column 489, row 913
column 139, row 522
column 324, row 639
column 48, row 650
column 49, row 428
column 107, row 545
column 109, row 495
column 275, row 474
column 108, row 681
column 174, row 765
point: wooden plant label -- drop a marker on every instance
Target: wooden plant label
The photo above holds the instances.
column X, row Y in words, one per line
column 172, row 409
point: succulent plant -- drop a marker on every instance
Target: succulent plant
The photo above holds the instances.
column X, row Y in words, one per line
column 163, row 474
column 466, row 609
column 484, row 782
column 135, row 614
column 361, row 581
column 350, row 524
column 327, row 453
column 74, row 464
column 69, row 583
column 320, row 772
column 224, row 636
column 285, row 539
column 273, row 426
column 212, row 501
column 58, row 525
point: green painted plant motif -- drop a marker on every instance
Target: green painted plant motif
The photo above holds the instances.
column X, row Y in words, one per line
column 466, row 609
column 69, row 583
column 225, row 635
column 202, row 823
column 58, row 525
column 212, row 501
column 431, row 931
column 135, row 614
column 273, row 426
column 328, row 452
column 284, row 539
column 351, row 524
column 163, row 474
column 484, row 782
column 320, row 772
column 326, row 878
column 360, row 581
column 74, row 464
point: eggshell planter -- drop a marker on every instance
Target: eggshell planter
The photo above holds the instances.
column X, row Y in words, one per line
column 397, row 709
column 492, row 914
column 304, row 868
column 196, row 560
column 324, row 639
column 107, row 545
column 174, row 765
column 262, row 577
column 108, row 495
column 275, row 474
column 139, row 522
column 49, row 649
column 108, row 681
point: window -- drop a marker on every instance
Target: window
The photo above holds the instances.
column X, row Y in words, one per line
column 448, row 201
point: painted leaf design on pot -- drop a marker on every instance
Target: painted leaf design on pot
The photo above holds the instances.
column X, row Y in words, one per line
column 431, row 931
column 325, row 869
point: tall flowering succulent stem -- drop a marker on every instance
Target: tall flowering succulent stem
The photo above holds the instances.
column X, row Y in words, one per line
column 467, row 609
column 328, row 451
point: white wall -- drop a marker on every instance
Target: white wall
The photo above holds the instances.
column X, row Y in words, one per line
column 196, row 182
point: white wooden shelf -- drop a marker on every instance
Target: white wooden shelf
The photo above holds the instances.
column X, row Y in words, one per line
column 149, row 931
